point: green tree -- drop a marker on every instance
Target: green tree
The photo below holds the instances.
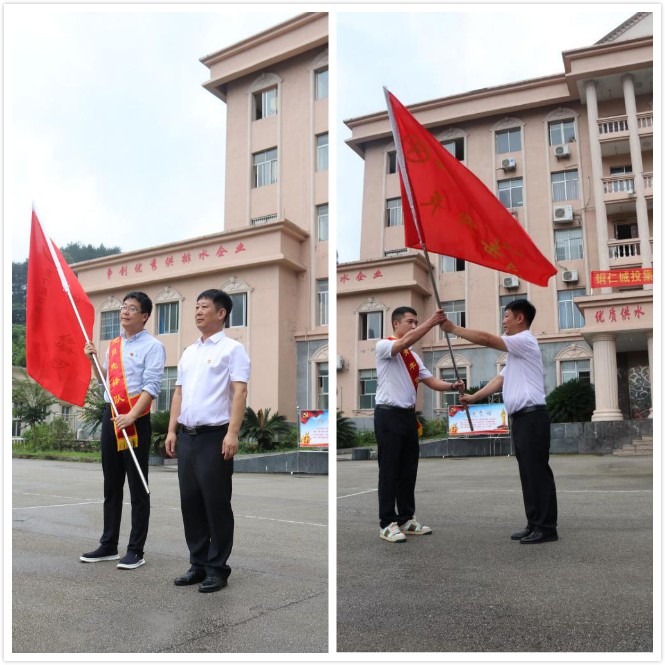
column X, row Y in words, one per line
column 75, row 252
column 30, row 402
column 159, row 422
column 18, row 345
column 572, row 402
column 19, row 287
column 346, row 431
column 93, row 409
column 262, row 427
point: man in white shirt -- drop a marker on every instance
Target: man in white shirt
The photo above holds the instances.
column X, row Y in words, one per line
column 399, row 371
column 209, row 406
column 524, row 395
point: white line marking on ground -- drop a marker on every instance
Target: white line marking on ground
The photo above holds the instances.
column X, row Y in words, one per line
column 558, row 491
column 58, row 505
column 274, row 519
column 346, row 496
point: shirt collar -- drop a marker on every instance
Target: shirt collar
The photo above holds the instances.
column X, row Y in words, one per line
column 213, row 339
column 135, row 337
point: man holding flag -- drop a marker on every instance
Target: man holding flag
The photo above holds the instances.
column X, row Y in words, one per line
column 134, row 366
column 399, row 371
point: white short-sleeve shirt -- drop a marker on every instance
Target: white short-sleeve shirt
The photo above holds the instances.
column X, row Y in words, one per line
column 523, row 375
column 205, row 373
column 395, row 387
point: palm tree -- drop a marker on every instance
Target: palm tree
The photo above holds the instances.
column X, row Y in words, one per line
column 262, row 427
column 346, row 431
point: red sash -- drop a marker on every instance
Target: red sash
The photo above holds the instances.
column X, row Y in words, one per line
column 119, row 394
column 412, row 368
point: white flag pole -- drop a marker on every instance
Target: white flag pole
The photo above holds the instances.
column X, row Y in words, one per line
column 67, row 290
column 416, row 221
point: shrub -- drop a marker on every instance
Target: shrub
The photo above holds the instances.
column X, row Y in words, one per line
column 365, row 438
column 435, row 428
column 572, row 402
column 346, row 431
column 264, row 428
column 55, row 435
column 159, row 423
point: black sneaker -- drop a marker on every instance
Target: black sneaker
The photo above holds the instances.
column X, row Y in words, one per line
column 102, row 553
column 131, row 560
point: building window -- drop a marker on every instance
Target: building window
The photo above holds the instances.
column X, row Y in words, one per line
column 569, row 314
column 168, row 318
column 455, row 147
column 265, row 167
column 322, row 386
column 456, row 312
column 568, row 244
column 448, row 375
column 625, row 231
column 565, row 186
column 265, row 103
column 321, row 84
column 451, row 264
column 110, row 324
column 576, row 369
column 16, row 427
column 394, row 212
column 620, row 170
column 322, row 222
column 167, row 388
column 238, row 317
column 367, row 388
column 509, row 140
column 322, row 302
column 392, row 161
column 322, row 152
column 503, row 301
column 562, row 131
column 510, row 192
column 371, row 325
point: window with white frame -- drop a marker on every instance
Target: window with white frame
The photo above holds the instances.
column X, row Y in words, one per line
column 511, row 192
column 565, row 186
column 168, row 317
column 451, row 264
column 110, row 324
column 321, row 83
column 322, row 386
column 561, row 131
column 503, row 301
column 455, row 147
column 448, row 375
column 264, row 165
column 569, row 244
column 322, row 152
column 569, row 313
column 238, row 316
column 576, row 369
column 367, row 378
column 394, row 212
column 322, row 302
column 508, row 140
column 456, row 312
column 322, row 222
column 265, row 103
column 392, row 161
column 371, row 325
column 167, row 388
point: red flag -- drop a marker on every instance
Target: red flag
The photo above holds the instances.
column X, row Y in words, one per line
column 54, row 339
column 458, row 215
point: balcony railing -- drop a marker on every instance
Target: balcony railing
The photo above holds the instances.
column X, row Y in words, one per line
column 618, row 184
column 648, row 182
column 624, row 252
column 618, row 124
column 645, row 121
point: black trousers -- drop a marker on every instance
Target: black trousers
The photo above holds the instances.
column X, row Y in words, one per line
column 205, row 479
column 531, row 436
column 396, row 433
column 116, row 465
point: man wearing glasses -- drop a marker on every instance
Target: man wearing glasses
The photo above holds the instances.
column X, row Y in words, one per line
column 133, row 366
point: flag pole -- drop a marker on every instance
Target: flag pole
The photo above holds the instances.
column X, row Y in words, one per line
column 409, row 195
column 67, row 290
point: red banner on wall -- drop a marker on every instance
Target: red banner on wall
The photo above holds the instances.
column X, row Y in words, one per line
column 626, row 277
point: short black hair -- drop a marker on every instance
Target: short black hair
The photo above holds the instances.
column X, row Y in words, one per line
column 523, row 306
column 219, row 299
column 399, row 313
column 142, row 299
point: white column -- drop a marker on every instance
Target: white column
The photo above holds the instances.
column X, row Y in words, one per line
column 597, row 178
column 650, row 350
column 605, row 378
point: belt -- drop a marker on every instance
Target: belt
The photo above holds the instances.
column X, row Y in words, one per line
column 528, row 409
column 387, row 407
column 200, row 429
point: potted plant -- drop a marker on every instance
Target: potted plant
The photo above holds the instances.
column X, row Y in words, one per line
column 159, row 421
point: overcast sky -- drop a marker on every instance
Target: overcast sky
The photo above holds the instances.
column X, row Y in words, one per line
column 110, row 133
column 425, row 55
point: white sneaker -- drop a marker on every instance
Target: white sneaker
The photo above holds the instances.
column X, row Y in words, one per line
column 392, row 534
column 415, row 528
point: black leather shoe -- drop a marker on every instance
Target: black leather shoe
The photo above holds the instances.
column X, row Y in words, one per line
column 192, row 576
column 518, row 535
column 539, row 537
column 212, row 583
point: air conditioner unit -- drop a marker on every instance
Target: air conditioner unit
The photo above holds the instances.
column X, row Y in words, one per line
column 562, row 151
column 570, row 276
column 340, row 363
column 511, row 282
column 562, row 213
column 509, row 164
